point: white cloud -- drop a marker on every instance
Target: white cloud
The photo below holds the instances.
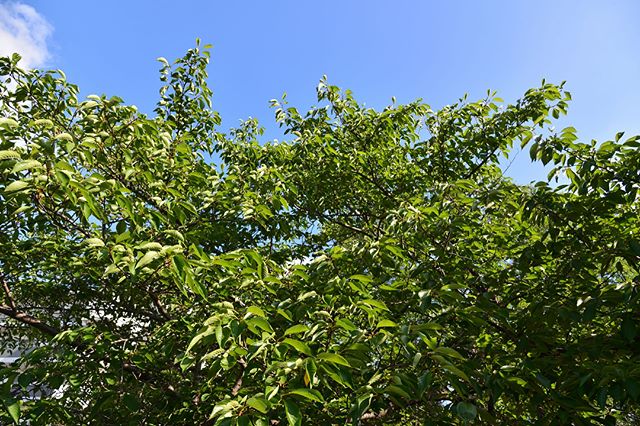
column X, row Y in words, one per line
column 25, row 31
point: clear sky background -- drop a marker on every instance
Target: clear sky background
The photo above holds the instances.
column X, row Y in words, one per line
column 434, row 50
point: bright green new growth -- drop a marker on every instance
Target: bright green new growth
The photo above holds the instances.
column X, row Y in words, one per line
column 378, row 268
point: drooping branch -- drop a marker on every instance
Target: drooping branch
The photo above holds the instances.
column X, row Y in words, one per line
column 29, row 320
column 53, row 331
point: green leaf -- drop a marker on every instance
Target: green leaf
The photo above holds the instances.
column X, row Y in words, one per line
column 256, row 311
column 346, row 324
column 628, row 329
column 296, row 329
column 362, row 278
column 633, row 388
column 88, row 104
column 416, row 359
column 131, row 402
column 375, row 303
column 94, row 242
column 333, row 358
column 397, row 391
column 43, row 122
column 294, row 417
column 456, row 371
column 337, row 374
column 195, row 286
column 258, row 261
column 149, row 257
column 26, row 165
column 448, row 352
column 397, row 251
column 16, row 186
column 259, row 403
column 360, row 406
column 175, row 234
column 64, row 136
column 260, row 323
column 229, row 264
column 467, row 411
column 9, row 155
column 208, row 331
column 13, row 408
column 8, row 122
column 298, row 345
column 307, row 295
column 222, row 409
column 310, row 394
column 386, row 323
column 544, row 381
column 311, row 369
column 149, row 246
column 111, row 269
column 21, row 209
column 63, row 176
column 284, row 314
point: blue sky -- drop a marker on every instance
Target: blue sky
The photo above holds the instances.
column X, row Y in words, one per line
column 434, row 50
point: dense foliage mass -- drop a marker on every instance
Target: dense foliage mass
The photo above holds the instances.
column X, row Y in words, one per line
column 378, row 268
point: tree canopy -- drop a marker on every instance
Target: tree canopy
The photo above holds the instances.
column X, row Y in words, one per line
column 376, row 268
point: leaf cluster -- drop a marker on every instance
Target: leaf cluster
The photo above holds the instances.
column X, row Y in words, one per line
column 376, row 268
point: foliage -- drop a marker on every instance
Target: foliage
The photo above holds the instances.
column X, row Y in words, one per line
column 378, row 268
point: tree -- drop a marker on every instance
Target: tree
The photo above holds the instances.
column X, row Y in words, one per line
column 378, row 268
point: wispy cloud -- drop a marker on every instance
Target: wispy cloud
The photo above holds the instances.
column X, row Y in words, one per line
column 25, row 31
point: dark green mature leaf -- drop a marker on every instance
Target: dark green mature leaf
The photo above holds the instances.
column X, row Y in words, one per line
column 298, row 345
column 294, row 417
column 258, row 403
column 628, row 329
column 467, row 411
column 333, row 358
column 310, row 394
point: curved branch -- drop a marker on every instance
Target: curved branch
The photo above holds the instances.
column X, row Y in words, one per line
column 52, row 332
column 31, row 321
